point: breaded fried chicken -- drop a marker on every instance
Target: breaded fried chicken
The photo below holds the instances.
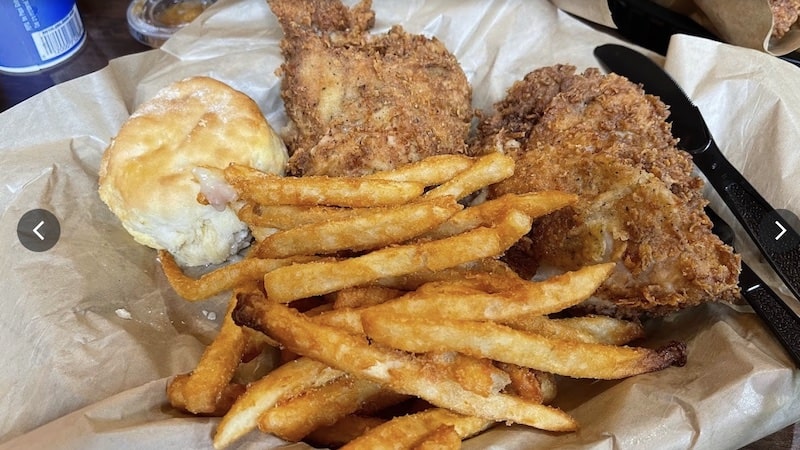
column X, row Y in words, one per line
column 358, row 102
column 785, row 14
column 600, row 136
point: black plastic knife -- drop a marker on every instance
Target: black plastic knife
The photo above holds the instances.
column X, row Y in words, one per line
column 774, row 235
column 773, row 311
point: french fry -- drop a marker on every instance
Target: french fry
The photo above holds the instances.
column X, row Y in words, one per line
column 255, row 343
column 286, row 217
column 580, row 283
column 468, row 298
column 346, row 319
column 465, row 300
column 501, row 343
column 361, row 296
column 530, row 384
column 414, row 280
column 411, row 303
column 476, row 375
column 398, row 371
column 268, row 189
column 535, row 205
column 222, row 278
column 201, row 390
column 261, row 233
column 295, row 418
column 222, row 404
column 380, row 403
column 289, row 379
column 406, row 432
column 343, row 431
column 443, row 438
column 473, row 374
column 589, row 329
column 289, row 283
column 487, row 169
column 430, row 171
column 371, row 228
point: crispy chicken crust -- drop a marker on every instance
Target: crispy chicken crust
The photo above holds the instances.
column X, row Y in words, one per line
column 785, row 14
column 600, row 136
column 359, row 102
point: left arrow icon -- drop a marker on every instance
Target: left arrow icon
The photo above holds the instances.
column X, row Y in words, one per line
column 38, row 230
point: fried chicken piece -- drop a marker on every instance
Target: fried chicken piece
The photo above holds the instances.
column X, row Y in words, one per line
column 358, row 102
column 600, row 136
column 785, row 14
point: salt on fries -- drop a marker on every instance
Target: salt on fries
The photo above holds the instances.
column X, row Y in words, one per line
column 387, row 290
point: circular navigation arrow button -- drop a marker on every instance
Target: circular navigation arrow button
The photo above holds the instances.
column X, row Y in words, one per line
column 776, row 230
column 38, row 230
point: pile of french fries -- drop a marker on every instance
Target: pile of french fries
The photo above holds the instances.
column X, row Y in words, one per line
column 398, row 323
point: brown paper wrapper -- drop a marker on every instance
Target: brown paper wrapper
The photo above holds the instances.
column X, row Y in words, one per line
column 91, row 331
column 746, row 23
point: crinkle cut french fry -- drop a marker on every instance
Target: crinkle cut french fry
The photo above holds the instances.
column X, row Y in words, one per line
column 201, row 390
column 220, row 279
column 410, row 430
column 501, row 343
column 398, row 371
column 295, row 418
column 289, row 283
column 371, row 228
column 430, row 171
column 268, row 189
column 487, row 169
column 287, row 380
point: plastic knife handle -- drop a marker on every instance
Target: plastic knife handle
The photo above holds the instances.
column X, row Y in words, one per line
column 775, row 237
column 650, row 25
column 779, row 317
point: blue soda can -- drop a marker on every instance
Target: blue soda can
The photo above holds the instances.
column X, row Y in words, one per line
column 37, row 34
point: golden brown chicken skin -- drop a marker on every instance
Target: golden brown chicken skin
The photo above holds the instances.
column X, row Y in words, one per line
column 600, row 136
column 360, row 102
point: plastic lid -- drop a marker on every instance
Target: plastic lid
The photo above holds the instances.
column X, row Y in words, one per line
column 152, row 22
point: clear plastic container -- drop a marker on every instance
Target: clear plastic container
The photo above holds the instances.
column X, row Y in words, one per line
column 152, row 22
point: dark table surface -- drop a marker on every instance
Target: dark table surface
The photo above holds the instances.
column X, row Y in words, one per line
column 108, row 38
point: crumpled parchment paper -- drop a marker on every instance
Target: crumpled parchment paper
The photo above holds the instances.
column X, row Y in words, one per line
column 91, row 331
column 744, row 23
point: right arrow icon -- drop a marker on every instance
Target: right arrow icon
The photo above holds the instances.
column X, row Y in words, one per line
column 783, row 230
